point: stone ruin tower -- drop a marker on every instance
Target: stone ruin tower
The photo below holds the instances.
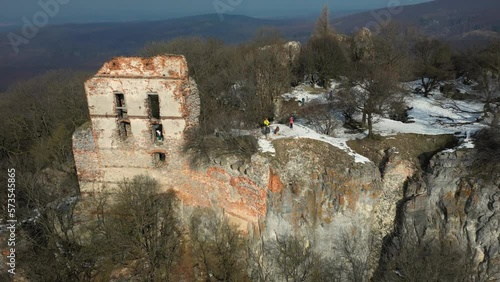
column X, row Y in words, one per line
column 140, row 110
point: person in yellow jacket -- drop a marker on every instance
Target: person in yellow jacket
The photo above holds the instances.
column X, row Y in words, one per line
column 266, row 122
column 267, row 130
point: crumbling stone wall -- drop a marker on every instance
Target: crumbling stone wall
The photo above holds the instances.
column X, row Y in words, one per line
column 104, row 158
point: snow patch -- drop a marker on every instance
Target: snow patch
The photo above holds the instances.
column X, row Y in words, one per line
column 266, row 146
column 300, row 131
column 300, row 94
column 434, row 117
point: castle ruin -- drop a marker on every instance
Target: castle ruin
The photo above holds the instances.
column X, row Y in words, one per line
column 140, row 110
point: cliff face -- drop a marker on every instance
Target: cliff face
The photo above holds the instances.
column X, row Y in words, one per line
column 451, row 209
column 321, row 187
column 328, row 200
column 385, row 212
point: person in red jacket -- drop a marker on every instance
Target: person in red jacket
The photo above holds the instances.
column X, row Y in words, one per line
column 291, row 122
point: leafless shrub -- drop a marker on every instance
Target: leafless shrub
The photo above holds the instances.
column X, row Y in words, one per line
column 141, row 230
column 218, row 248
column 321, row 118
column 202, row 147
column 352, row 255
column 487, row 143
column 431, row 261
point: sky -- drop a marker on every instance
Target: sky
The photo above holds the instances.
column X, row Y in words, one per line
column 13, row 11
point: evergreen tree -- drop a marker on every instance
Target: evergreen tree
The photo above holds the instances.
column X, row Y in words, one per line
column 323, row 28
column 323, row 58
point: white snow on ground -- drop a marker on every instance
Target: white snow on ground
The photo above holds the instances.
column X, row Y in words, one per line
column 462, row 88
column 300, row 92
column 432, row 116
column 334, row 84
column 300, row 131
column 266, row 146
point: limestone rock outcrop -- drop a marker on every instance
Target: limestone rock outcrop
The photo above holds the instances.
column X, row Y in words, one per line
column 362, row 44
column 450, row 204
column 326, row 198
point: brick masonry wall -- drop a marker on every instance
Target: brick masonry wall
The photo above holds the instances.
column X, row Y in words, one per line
column 103, row 159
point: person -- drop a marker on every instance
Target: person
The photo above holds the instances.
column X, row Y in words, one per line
column 291, row 122
column 159, row 135
column 266, row 122
column 267, row 130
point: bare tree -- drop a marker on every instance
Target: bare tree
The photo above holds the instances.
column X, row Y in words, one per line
column 373, row 84
column 142, row 230
column 294, row 260
column 260, row 262
column 352, row 255
column 267, row 36
column 217, row 247
column 269, row 70
column 321, row 118
column 487, row 145
column 485, row 70
column 433, row 63
column 39, row 118
column 392, row 48
column 288, row 258
column 61, row 254
column 438, row 260
column 373, row 88
column 324, row 59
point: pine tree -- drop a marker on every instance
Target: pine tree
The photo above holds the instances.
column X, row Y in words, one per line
column 323, row 28
column 323, row 57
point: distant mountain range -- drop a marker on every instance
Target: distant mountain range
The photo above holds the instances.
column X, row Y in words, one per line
column 87, row 46
column 453, row 20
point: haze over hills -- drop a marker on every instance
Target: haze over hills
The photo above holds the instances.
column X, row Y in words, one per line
column 86, row 46
column 92, row 11
column 448, row 19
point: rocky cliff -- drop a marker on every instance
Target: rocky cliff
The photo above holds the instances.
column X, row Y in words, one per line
column 318, row 193
column 329, row 200
column 448, row 215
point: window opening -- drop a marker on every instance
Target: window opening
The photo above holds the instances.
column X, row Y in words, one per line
column 159, row 159
column 154, row 106
column 125, row 130
column 121, row 108
column 162, row 157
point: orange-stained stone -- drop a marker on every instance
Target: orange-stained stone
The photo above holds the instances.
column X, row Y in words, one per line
column 275, row 184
